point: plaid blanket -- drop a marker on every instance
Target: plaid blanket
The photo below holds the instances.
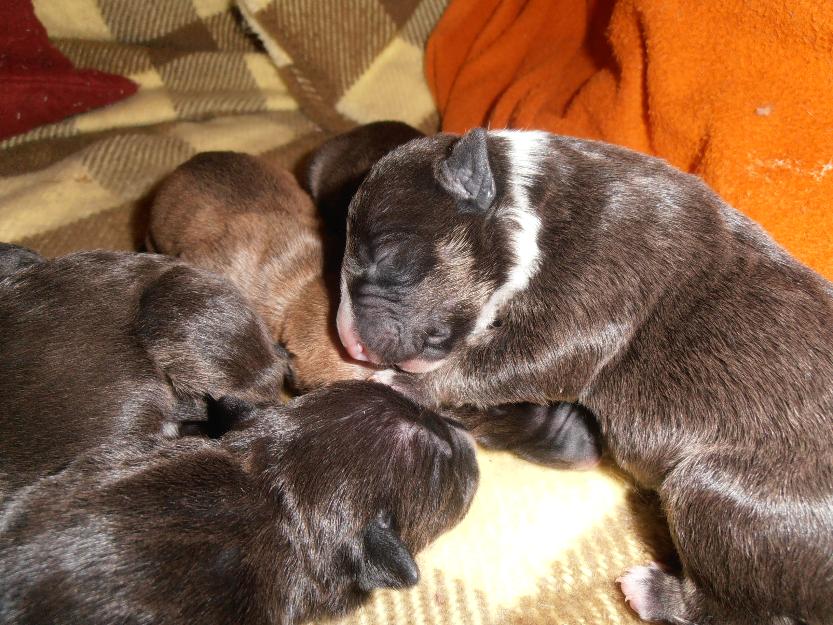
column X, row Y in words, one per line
column 276, row 77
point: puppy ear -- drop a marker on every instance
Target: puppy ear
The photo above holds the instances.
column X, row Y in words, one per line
column 387, row 561
column 467, row 175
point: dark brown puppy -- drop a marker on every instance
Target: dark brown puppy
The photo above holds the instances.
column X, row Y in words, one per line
column 101, row 346
column 298, row 515
column 521, row 266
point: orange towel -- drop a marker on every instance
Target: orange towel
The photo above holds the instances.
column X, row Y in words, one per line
column 739, row 92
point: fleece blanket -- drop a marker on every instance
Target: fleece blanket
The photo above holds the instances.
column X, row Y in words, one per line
column 275, row 78
column 40, row 85
column 737, row 92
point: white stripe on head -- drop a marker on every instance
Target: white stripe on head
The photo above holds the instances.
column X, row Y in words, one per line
column 527, row 153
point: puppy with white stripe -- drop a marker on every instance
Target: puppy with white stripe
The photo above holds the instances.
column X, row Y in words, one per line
column 506, row 267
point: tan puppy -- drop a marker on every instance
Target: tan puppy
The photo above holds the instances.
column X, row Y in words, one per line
column 248, row 220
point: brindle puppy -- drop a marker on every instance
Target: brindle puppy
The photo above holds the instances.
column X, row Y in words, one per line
column 560, row 434
column 521, row 266
column 299, row 513
column 101, row 346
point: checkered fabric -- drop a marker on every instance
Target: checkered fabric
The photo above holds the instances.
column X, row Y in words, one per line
column 348, row 62
column 205, row 84
column 540, row 546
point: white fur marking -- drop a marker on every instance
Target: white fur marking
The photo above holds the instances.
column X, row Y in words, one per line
column 527, row 150
column 385, row 376
column 170, row 429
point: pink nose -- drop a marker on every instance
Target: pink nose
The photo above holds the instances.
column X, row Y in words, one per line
column 349, row 337
column 355, row 349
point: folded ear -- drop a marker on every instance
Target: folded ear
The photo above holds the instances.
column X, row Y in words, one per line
column 333, row 172
column 466, row 173
column 387, row 561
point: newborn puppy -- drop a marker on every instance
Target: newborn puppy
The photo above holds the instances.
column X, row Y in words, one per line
column 298, row 515
column 243, row 218
column 561, row 435
column 101, row 346
column 240, row 217
column 520, row 266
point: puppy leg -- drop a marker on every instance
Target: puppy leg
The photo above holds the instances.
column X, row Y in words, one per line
column 754, row 548
column 203, row 336
column 657, row 596
column 14, row 257
column 560, row 435
column 660, row 597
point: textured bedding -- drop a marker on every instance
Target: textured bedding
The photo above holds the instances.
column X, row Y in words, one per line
column 275, row 78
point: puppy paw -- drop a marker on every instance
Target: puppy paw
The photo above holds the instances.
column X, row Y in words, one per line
column 568, row 437
column 653, row 594
column 560, row 435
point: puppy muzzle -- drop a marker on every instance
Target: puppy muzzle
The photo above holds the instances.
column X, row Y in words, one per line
column 358, row 350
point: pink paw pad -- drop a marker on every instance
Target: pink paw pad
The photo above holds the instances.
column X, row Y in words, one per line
column 635, row 585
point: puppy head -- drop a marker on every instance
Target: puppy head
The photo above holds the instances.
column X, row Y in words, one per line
column 439, row 236
column 369, row 478
column 213, row 196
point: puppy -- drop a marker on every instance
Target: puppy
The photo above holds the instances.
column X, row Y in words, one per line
column 562, row 435
column 520, row 266
column 246, row 219
column 101, row 346
column 240, row 217
column 297, row 515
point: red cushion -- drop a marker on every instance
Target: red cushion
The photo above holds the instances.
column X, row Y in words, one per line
column 38, row 84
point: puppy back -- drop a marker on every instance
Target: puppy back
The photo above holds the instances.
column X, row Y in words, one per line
column 244, row 218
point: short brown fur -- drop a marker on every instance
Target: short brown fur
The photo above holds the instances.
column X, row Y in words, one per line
column 248, row 220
